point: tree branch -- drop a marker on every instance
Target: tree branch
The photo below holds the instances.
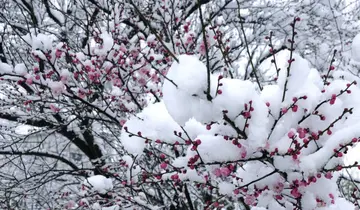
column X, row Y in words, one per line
column 51, row 15
column 41, row 154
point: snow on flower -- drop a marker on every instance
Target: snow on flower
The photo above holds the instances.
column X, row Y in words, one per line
column 241, row 125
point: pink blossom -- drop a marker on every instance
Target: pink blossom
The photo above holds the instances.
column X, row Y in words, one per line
column 174, row 177
column 278, row 197
column 64, row 78
column 224, row 171
column 243, row 153
column 122, row 122
column 142, row 82
column 92, row 77
column 291, row 134
column 267, row 145
column 328, row 175
column 163, row 165
column 189, row 40
column 54, row 108
column 295, row 192
column 250, row 199
column 247, row 115
column 278, row 187
column 154, row 78
column 117, row 82
column 81, row 94
column 144, row 71
column 217, row 172
column 29, row 81
column 294, row 108
column 81, row 203
column 70, row 205
column 332, row 101
column 202, row 48
column 58, row 53
column 302, row 134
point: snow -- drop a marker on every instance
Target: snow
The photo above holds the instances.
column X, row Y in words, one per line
column 317, row 160
column 57, row 87
column 308, row 201
column 20, row 69
column 258, row 208
column 58, row 15
column 299, row 69
column 192, row 176
column 41, row 42
column 5, row 68
column 152, row 122
column 240, row 135
column 340, row 204
column 191, row 80
column 255, row 121
column 272, row 94
column 99, row 183
column 355, row 48
column 96, row 206
column 108, row 43
column 190, row 76
column 215, row 148
column 151, row 38
column 226, row 188
column 115, row 207
column 253, row 170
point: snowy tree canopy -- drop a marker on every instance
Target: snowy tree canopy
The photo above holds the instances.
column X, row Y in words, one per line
column 226, row 104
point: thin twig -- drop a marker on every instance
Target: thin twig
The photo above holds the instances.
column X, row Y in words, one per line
column 208, row 96
column 146, row 22
column 247, row 48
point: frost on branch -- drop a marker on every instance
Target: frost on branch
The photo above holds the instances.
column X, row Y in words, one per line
column 274, row 149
